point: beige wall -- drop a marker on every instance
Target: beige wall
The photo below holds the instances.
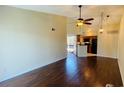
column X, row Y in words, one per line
column 108, row 41
column 27, row 42
column 121, row 49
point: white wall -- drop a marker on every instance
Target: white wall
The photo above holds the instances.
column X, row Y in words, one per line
column 27, row 42
column 121, row 49
column 108, row 41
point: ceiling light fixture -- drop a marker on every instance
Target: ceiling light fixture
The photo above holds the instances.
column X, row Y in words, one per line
column 81, row 21
column 101, row 24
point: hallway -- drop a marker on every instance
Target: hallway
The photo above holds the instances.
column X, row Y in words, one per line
column 71, row 72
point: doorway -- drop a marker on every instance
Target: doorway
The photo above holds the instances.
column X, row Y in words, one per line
column 71, row 44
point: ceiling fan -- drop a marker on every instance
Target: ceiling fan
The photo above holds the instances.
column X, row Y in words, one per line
column 81, row 21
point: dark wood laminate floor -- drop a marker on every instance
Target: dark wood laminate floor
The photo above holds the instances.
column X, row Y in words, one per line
column 71, row 72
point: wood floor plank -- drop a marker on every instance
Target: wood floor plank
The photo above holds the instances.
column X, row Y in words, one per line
column 71, row 72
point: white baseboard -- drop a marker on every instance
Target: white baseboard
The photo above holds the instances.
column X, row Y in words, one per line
column 106, row 56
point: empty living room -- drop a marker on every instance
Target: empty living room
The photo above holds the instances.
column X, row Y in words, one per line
column 61, row 45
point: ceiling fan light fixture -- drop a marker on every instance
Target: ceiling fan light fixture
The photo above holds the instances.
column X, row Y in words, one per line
column 79, row 23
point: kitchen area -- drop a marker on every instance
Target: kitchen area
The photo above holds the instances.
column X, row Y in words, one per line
column 83, row 46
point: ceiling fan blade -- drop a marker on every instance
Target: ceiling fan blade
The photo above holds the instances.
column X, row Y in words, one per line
column 88, row 23
column 89, row 19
